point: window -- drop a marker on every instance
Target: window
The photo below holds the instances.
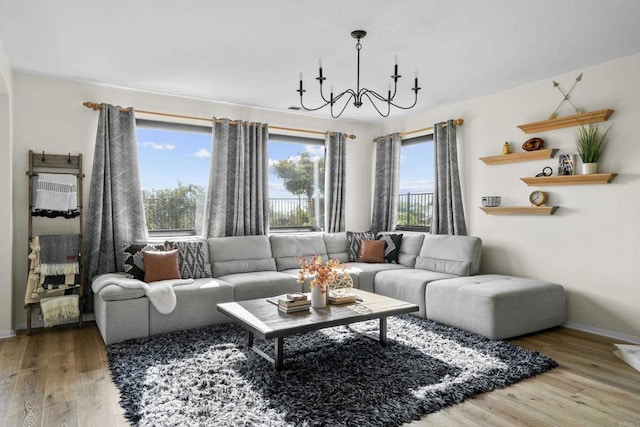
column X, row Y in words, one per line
column 296, row 183
column 174, row 174
column 415, row 200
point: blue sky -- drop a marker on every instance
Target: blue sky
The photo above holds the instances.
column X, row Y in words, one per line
column 168, row 157
column 416, row 168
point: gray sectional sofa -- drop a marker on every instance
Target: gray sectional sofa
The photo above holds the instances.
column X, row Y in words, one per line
column 263, row 266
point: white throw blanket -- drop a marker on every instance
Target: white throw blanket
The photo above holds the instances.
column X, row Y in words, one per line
column 160, row 293
column 57, row 192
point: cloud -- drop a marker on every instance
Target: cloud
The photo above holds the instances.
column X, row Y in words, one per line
column 318, row 150
column 202, row 153
column 416, row 186
column 156, row 146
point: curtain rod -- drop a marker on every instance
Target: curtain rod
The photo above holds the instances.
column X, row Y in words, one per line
column 96, row 106
column 457, row 122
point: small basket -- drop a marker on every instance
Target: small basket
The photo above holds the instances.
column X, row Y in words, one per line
column 490, row 201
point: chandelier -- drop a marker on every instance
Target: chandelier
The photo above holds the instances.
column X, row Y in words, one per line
column 380, row 103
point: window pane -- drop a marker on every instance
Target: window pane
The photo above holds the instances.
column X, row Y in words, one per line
column 296, row 183
column 174, row 173
column 415, row 204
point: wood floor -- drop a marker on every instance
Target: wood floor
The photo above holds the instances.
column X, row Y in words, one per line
column 60, row 377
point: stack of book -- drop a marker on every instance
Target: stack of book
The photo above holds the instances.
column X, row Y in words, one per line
column 292, row 303
column 341, row 297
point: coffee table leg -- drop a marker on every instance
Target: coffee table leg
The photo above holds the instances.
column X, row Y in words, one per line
column 249, row 339
column 383, row 330
column 279, row 353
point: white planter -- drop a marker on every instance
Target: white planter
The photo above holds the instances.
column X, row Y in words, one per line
column 589, row 168
column 318, row 298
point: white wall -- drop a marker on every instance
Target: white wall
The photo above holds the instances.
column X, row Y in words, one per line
column 49, row 116
column 590, row 246
column 6, row 229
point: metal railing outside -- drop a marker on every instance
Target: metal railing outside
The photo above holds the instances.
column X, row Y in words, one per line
column 415, row 210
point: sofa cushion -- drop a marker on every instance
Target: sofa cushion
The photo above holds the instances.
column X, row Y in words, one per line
column 354, row 238
column 193, row 257
column 496, row 306
column 371, row 251
column 392, row 243
column 160, row 265
column 366, row 272
column 337, row 246
column 459, row 255
column 133, row 264
column 286, row 248
column 409, row 248
column 195, row 306
column 407, row 285
column 240, row 254
column 261, row 284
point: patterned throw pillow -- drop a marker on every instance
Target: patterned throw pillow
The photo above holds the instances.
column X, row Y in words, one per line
column 354, row 238
column 133, row 262
column 392, row 244
column 193, row 258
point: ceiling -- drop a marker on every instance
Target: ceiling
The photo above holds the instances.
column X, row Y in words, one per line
column 250, row 52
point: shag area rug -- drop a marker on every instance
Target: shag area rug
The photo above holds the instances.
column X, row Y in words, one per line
column 334, row 377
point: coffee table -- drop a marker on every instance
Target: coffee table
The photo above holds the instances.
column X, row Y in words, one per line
column 263, row 319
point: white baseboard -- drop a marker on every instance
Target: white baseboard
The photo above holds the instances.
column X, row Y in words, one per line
column 9, row 334
column 37, row 323
column 603, row 332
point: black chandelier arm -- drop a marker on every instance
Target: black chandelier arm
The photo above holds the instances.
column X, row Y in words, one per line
column 313, row 109
column 375, row 94
column 346, row 103
column 415, row 101
column 376, row 107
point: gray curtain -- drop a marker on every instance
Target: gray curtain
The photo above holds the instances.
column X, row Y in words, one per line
column 334, row 182
column 448, row 212
column 115, row 213
column 387, row 183
column 238, row 194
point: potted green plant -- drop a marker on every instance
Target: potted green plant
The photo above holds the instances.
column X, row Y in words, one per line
column 590, row 142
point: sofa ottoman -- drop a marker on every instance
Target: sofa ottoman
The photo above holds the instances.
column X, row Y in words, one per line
column 496, row 306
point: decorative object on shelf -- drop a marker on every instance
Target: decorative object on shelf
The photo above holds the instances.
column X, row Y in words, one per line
column 506, row 149
column 538, row 198
column 360, row 93
column 568, row 121
column 566, row 97
column 490, row 201
column 546, row 171
column 324, row 274
column 590, row 142
column 533, row 144
column 566, row 164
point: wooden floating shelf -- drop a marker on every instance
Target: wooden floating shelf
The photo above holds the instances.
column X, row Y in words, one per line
column 565, row 122
column 520, row 210
column 595, row 178
column 519, row 157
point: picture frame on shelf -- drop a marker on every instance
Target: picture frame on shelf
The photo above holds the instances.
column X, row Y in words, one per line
column 566, row 164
